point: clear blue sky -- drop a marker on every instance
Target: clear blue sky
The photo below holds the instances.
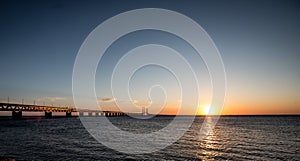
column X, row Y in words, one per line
column 258, row 41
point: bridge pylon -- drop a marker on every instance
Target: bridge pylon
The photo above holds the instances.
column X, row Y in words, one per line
column 16, row 115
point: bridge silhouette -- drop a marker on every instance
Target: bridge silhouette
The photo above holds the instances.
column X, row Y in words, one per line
column 17, row 110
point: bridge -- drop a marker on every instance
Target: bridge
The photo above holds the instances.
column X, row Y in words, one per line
column 17, row 110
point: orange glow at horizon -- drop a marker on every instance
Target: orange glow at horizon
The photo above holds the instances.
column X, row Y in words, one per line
column 231, row 107
column 237, row 110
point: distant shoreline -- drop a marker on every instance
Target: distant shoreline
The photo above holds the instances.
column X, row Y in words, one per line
column 271, row 115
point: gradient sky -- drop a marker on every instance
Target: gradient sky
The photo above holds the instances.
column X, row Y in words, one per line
column 258, row 41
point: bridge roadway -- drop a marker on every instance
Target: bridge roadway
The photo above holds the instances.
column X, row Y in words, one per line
column 17, row 110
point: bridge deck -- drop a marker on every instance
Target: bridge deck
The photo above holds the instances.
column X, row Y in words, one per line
column 17, row 110
column 38, row 108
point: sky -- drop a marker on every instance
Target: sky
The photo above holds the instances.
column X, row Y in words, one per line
column 257, row 40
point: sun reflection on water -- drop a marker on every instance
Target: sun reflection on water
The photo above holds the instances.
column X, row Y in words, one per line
column 208, row 140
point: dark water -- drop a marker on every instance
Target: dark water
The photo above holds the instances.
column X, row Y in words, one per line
column 233, row 138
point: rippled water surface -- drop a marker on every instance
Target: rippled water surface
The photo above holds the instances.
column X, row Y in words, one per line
column 237, row 138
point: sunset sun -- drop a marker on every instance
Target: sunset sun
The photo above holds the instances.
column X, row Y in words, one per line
column 206, row 109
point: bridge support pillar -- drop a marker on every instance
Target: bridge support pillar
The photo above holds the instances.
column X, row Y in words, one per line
column 68, row 114
column 16, row 115
column 48, row 114
column 80, row 114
